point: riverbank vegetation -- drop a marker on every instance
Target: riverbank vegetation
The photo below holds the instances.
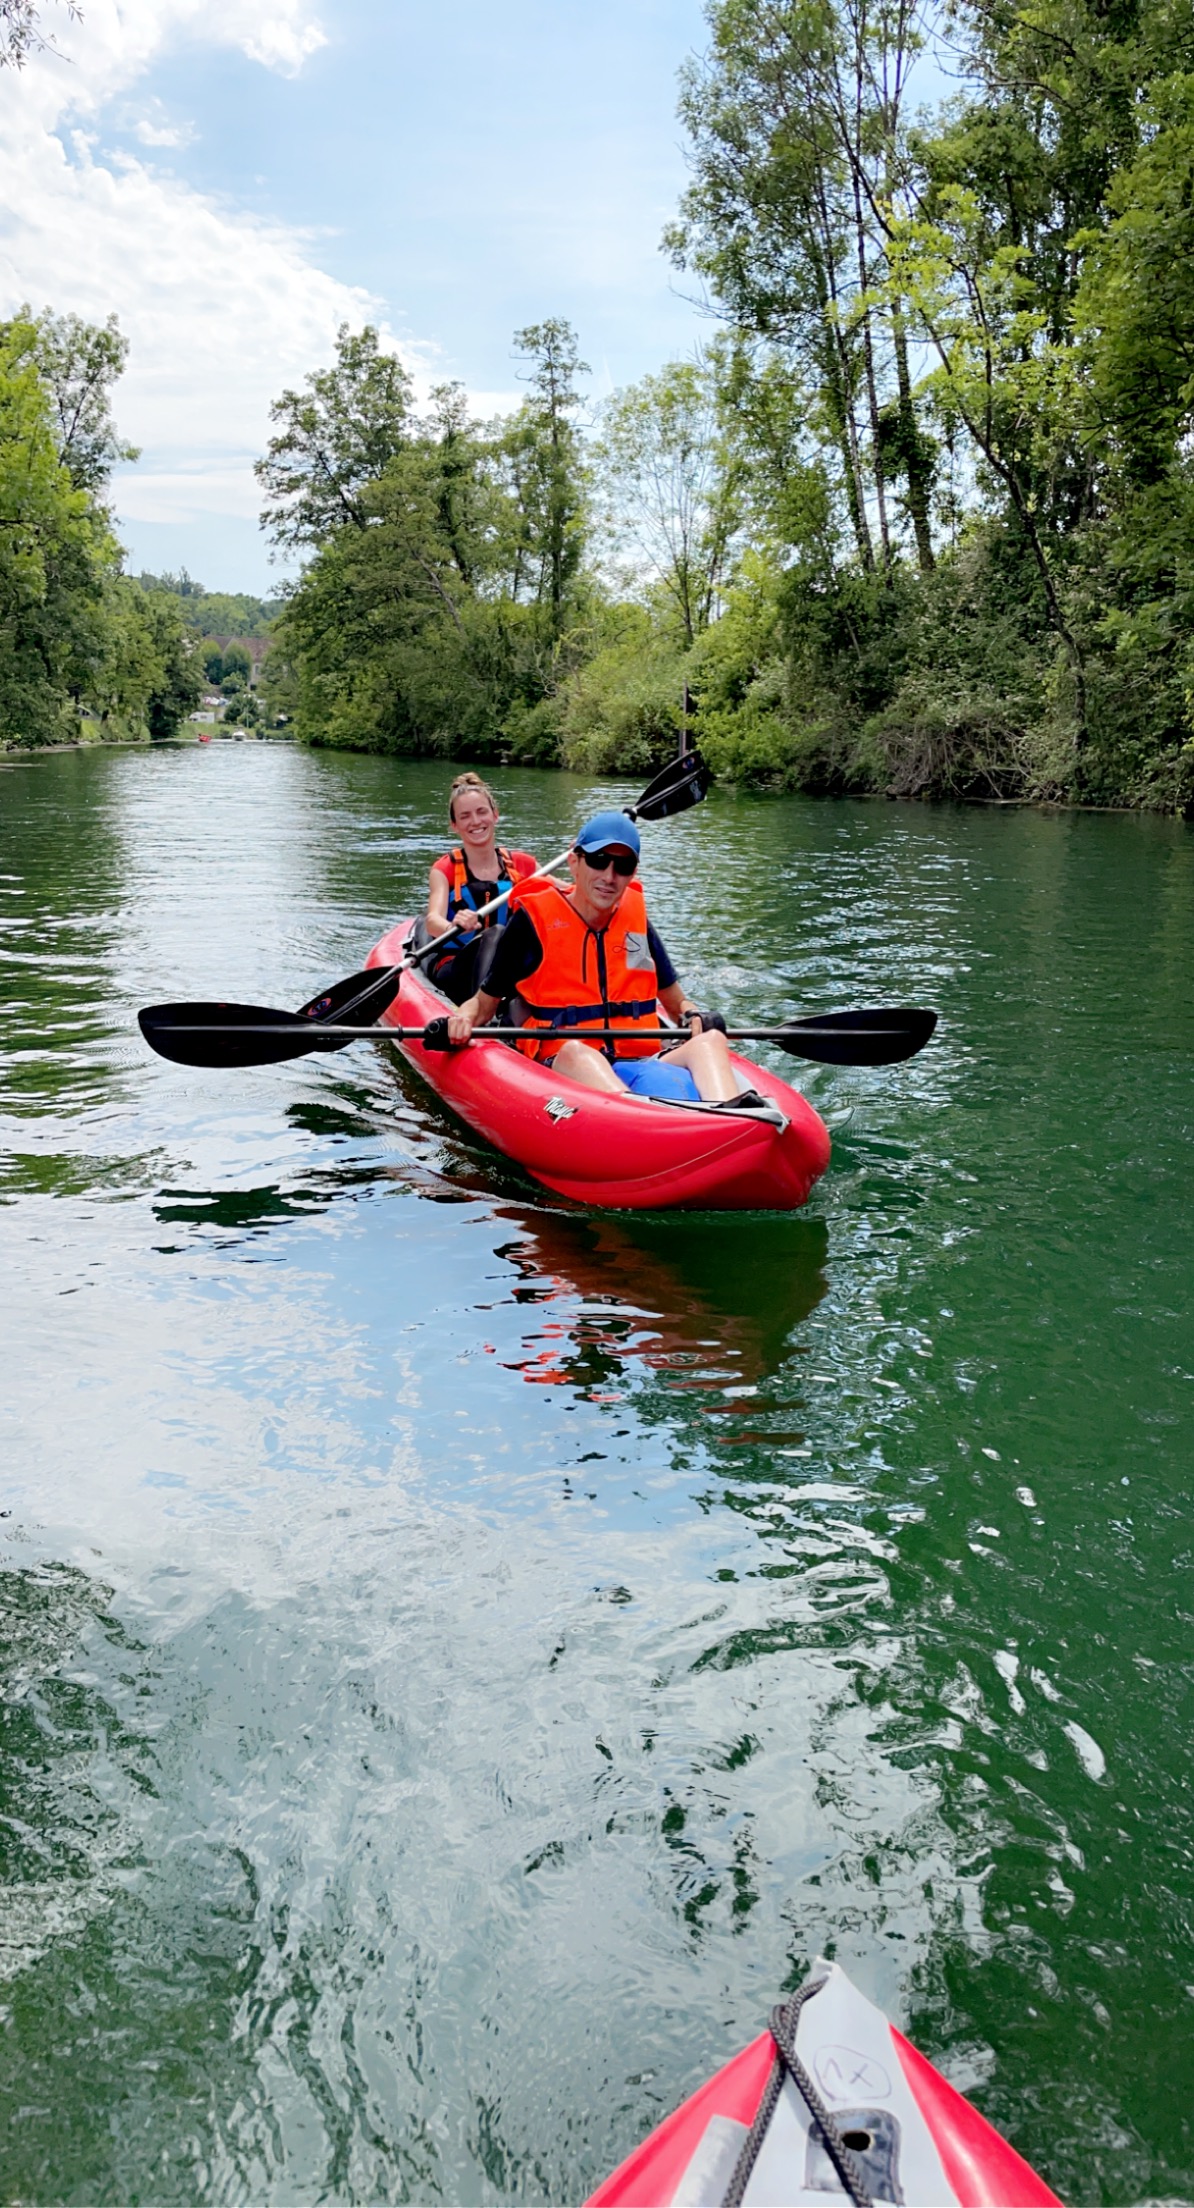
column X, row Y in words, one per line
column 919, row 519
column 84, row 650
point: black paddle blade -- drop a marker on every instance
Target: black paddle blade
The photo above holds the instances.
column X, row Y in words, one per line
column 196, row 1034
column 880, row 1038
column 177, row 1031
column 683, row 782
column 361, row 998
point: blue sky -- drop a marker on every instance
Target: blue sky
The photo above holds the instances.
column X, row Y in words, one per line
column 234, row 177
column 474, row 168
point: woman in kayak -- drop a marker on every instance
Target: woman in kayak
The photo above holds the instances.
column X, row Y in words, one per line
column 590, row 957
column 471, row 875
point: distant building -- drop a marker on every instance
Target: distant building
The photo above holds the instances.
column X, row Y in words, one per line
column 255, row 646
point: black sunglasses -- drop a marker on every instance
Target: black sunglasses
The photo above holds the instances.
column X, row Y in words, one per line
column 622, row 862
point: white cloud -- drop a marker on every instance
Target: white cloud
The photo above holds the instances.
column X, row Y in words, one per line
column 178, row 495
column 222, row 309
column 154, row 128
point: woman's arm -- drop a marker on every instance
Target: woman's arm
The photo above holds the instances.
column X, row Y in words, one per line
column 437, row 907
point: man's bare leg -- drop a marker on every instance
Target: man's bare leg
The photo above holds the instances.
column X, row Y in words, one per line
column 581, row 1063
column 707, row 1058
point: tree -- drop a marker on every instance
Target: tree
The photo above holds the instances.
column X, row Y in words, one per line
column 78, row 363
column 21, row 33
column 76, row 636
column 178, row 684
column 438, row 624
column 56, row 557
column 672, row 485
column 795, row 122
column 146, row 678
column 548, row 464
column 215, row 612
column 334, row 439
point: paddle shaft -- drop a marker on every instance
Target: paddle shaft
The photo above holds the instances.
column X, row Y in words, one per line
column 312, row 1029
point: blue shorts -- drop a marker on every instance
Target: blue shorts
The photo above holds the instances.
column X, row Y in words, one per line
column 655, row 1077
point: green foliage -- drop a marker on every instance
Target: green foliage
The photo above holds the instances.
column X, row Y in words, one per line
column 334, row 439
column 79, row 642
column 243, row 711
column 145, row 677
column 740, row 679
column 215, row 612
column 920, row 521
column 974, row 584
column 673, row 487
column 177, row 683
column 57, row 559
column 78, row 363
column 621, row 709
column 442, row 615
column 547, row 467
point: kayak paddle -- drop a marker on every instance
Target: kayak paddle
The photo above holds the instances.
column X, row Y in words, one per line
column 247, row 1035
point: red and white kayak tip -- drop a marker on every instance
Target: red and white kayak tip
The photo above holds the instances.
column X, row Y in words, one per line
column 832, row 2102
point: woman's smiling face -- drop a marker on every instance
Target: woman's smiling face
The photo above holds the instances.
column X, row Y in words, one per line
column 475, row 818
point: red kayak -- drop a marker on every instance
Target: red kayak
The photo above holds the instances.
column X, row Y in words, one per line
column 631, row 1152
column 831, row 2103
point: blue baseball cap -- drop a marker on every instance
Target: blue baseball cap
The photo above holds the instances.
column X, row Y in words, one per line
column 607, row 828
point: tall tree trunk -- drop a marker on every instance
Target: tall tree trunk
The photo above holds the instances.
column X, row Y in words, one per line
column 915, row 460
column 872, row 392
column 837, row 369
column 868, row 349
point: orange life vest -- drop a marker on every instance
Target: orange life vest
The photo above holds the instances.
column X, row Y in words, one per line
column 460, row 895
column 589, row 977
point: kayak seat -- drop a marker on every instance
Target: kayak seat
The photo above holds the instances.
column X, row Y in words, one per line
column 463, row 967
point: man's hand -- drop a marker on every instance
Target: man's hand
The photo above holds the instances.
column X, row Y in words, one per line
column 459, row 1025
column 703, row 1023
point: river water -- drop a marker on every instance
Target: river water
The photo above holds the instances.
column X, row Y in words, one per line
column 464, row 1658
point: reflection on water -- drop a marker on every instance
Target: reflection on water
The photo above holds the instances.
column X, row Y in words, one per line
column 463, row 1656
column 697, row 1302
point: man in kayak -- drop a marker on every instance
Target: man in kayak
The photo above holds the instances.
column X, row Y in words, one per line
column 589, row 957
column 463, row 880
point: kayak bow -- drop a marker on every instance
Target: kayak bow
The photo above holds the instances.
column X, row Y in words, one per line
column 832, row 2103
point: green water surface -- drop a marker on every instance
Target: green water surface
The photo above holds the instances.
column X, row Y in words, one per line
column 463, row 1658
